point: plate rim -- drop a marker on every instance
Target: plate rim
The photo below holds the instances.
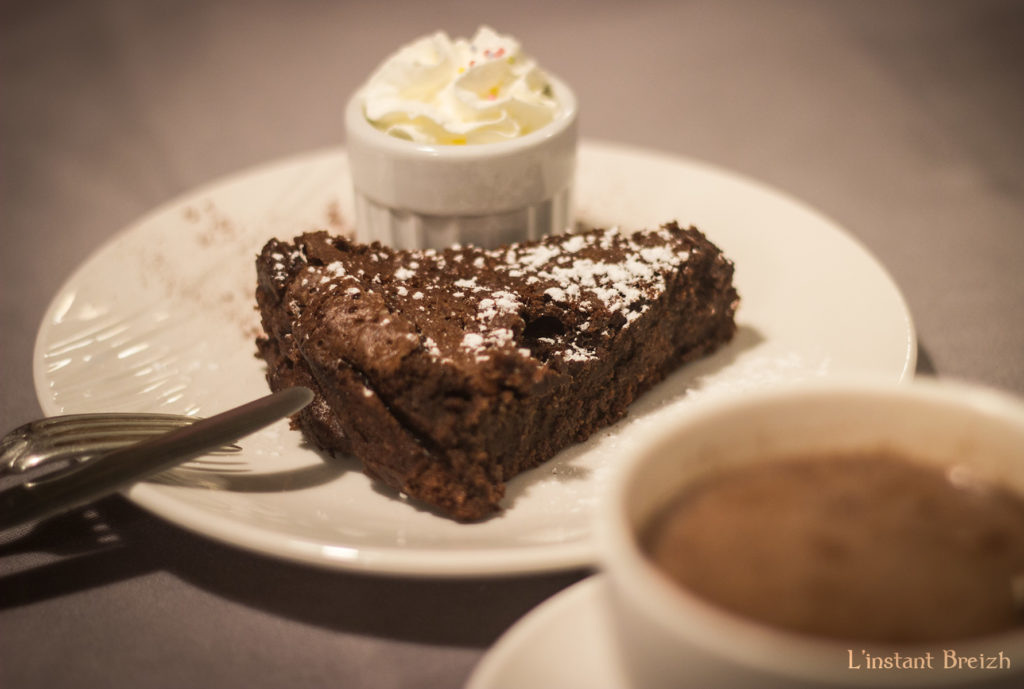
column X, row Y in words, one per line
column 393, row 560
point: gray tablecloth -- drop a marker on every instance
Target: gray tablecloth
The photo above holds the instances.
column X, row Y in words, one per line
column 902, row 121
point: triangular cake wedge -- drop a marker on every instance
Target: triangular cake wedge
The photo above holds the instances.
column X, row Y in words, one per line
column 446, row 373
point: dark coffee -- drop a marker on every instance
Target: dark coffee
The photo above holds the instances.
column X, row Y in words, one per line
column 872, row 547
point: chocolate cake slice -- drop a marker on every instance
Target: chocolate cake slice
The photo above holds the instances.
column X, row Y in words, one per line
column 449, row 372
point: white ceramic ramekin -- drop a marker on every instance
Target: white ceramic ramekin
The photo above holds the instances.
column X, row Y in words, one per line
column 672, row 638
column 410, row 195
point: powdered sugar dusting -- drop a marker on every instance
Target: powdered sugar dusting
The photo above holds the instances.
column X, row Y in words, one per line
column 627, row 283
column 579, row 278
column 500, row 301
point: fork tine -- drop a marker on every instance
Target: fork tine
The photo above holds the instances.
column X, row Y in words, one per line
column 80, row 436
column 203, row 467
column 72, row 423
column 70, row 440
column 113, row 417
column 214, row 463
column 56, row 426
column 83, row 451
column 97, row 436
column 25, row 461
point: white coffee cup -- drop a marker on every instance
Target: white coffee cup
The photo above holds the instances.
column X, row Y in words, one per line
column 671, row 637
column 411, row 195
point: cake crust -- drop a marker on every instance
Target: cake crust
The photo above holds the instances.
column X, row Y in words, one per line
column 446, row 373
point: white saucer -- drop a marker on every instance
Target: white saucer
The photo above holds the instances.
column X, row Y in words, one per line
column 569, row 642
column 566, row 642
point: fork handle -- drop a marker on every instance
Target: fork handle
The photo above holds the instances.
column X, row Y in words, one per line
column 118, row 469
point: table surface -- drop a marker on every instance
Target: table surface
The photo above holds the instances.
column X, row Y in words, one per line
column 901, row 121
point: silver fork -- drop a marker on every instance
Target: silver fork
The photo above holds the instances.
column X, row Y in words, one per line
column 130, row 459
column 74, row 438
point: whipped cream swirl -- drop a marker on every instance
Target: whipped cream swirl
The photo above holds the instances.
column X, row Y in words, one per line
column 439, row 91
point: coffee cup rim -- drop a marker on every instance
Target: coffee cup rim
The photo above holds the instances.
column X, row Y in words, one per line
column 737, row 639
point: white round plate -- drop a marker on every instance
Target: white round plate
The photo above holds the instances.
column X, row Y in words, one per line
column 162, row 318
column 568, row 641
